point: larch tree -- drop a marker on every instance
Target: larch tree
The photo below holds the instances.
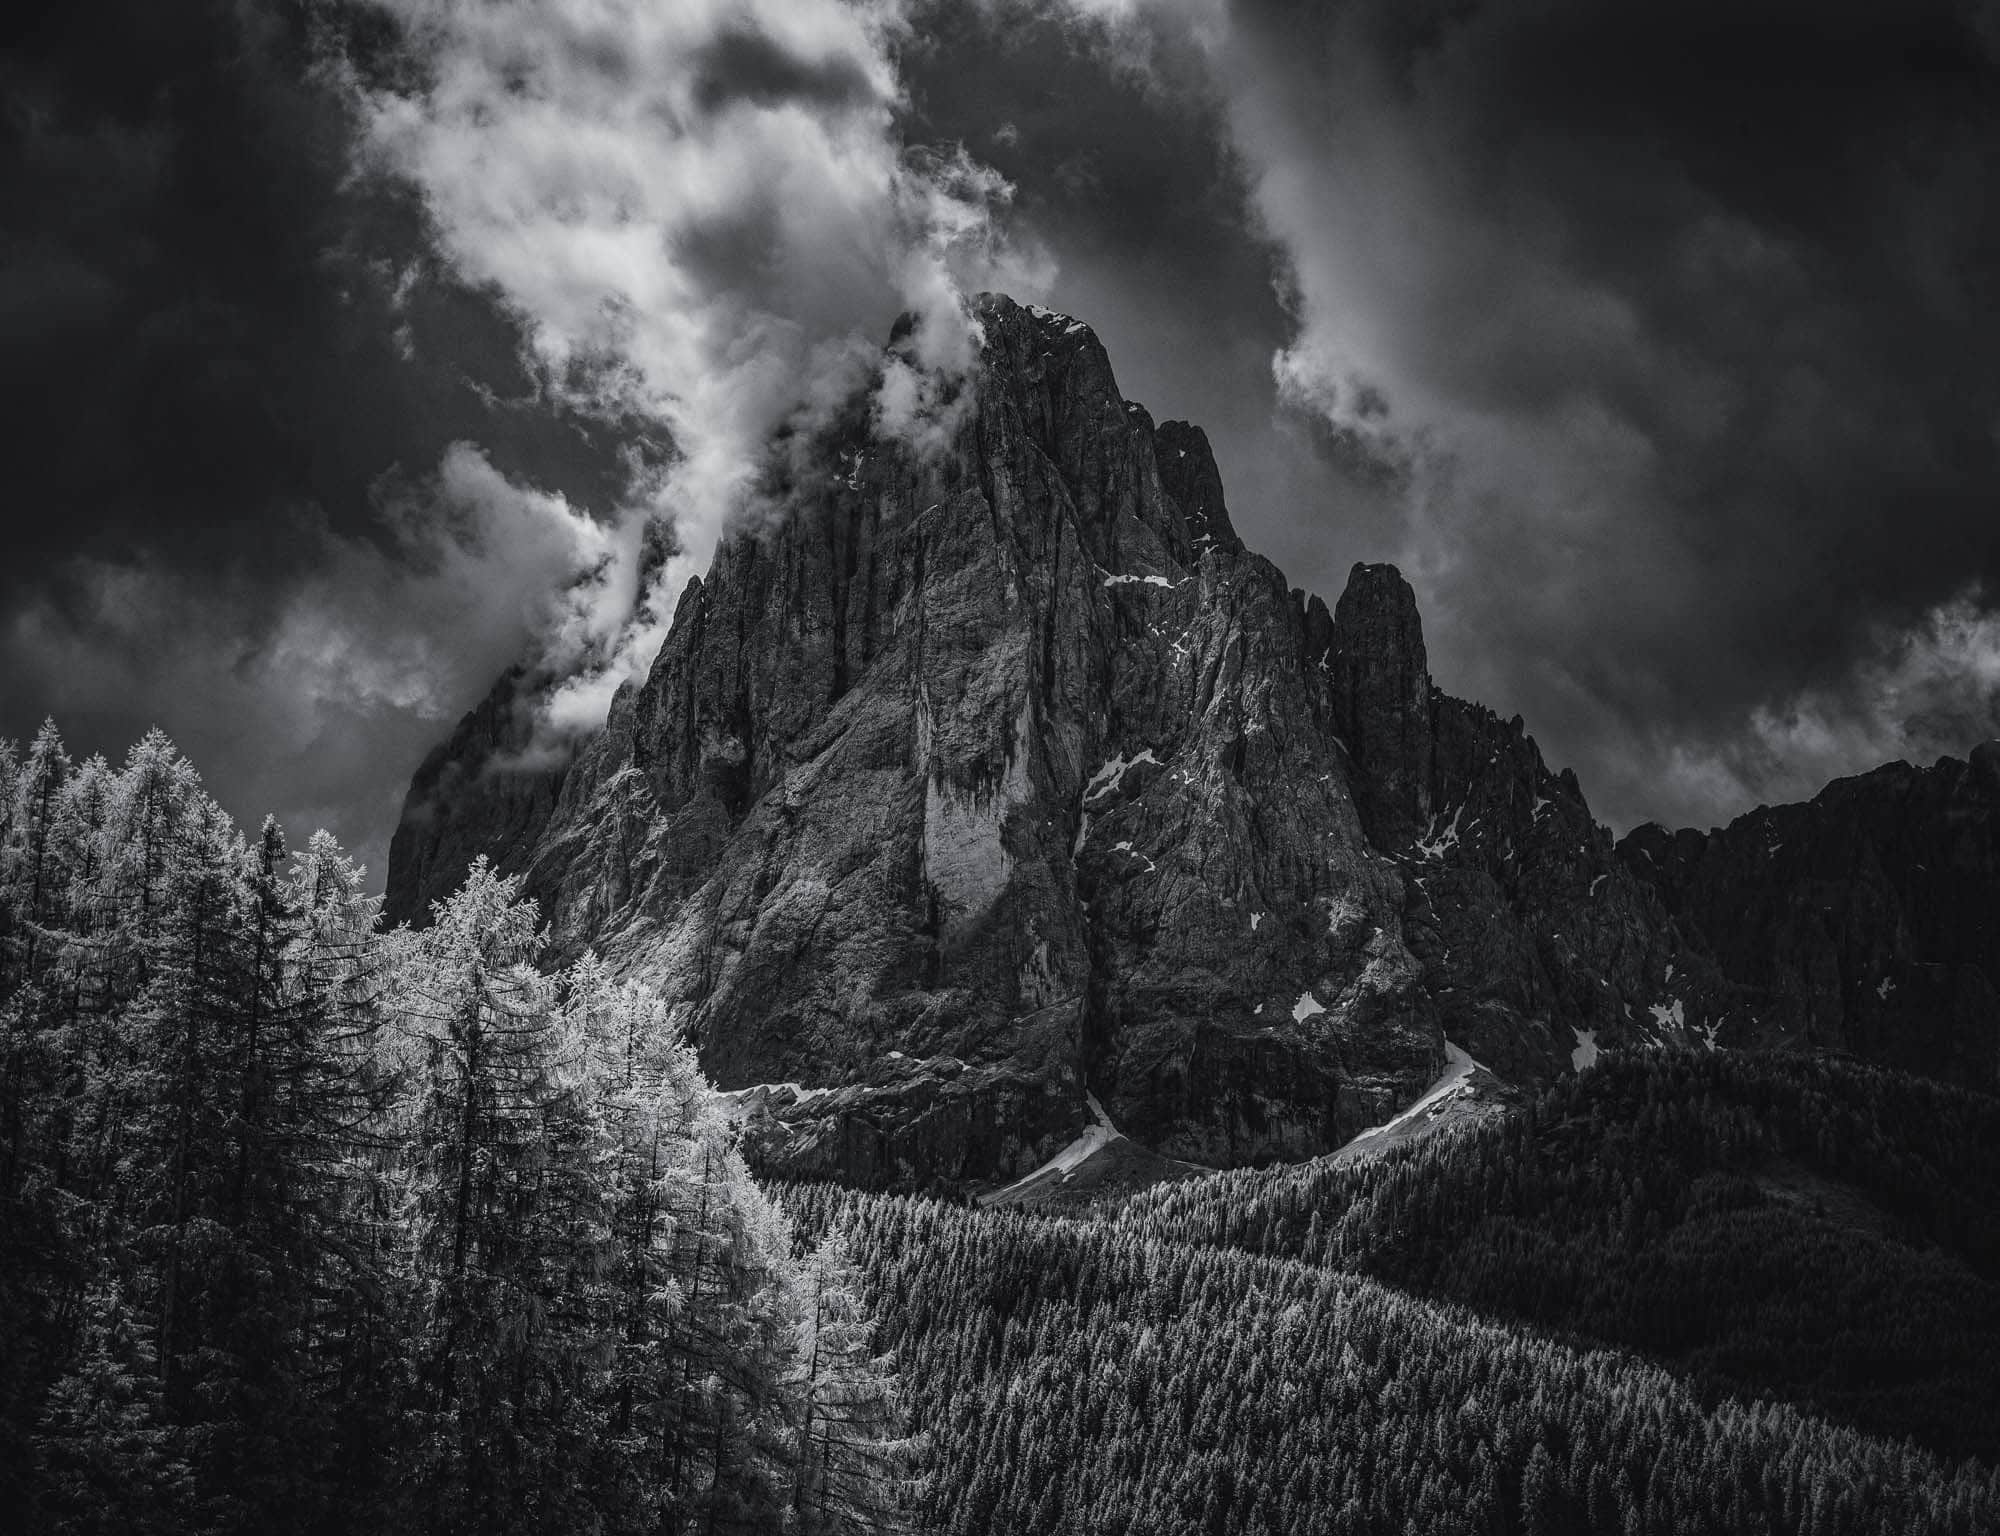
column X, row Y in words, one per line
column 855, row 1468
column 305, row 1224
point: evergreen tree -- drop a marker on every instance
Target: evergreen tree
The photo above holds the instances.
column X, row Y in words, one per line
column 105, row 1456
column 855, row 1461
column 29, row 857
column 479, row 1100
column 304, row 1225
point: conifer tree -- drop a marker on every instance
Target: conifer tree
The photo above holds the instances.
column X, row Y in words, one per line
column 473, row 1011
column 307, row 1226
column 104, row 1456
column 855, row 1465
column 29, row 863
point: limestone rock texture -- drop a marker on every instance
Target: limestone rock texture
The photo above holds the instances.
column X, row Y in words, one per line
column 1538, row 944
column 1864, row 920
column 1001, row 774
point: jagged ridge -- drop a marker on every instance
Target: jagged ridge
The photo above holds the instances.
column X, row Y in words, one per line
column 993, row 775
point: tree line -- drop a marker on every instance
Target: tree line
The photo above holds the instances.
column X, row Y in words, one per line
column 1786, row 1226
column 308, row 1226
column 1079, row 1374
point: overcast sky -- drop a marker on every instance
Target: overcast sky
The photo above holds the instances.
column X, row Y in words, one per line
column 352, row 348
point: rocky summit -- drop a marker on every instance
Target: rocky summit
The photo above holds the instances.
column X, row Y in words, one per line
column 997, row 795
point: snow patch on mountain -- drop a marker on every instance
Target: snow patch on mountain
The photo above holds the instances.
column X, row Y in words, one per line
column 739, row 1102
column 1454, row 1081
column 1111, row 773
column 1435, row 843
column 1095, row 1138
column 1586, row 1053
column 1126, row 847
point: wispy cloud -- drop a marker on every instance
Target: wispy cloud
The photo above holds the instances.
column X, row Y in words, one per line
column 704, row 215
column 1665, row 326
column 302, row 692
column 1922, row 692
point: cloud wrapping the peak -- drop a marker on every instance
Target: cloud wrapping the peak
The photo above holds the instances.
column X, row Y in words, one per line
column 1654, row 341
column 236, row 509
column 1667, row 325
column 703, row 215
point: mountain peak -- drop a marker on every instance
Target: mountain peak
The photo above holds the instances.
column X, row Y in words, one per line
column 1000, row 780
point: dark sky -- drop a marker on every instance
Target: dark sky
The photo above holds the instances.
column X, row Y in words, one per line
column 1657, row 342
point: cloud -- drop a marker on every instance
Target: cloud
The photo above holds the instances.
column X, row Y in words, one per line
column 373, row 654
column 1664, row 330
column 246, row 500
column 704, row 216
column 1650, row 339
column 1923, row 692
column 249, row 369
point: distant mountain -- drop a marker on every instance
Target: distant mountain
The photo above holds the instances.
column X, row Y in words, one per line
column 1867, row 919
column 1000, row 775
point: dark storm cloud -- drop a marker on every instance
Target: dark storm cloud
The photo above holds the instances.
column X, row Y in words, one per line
column 745, row 63
column 1673, row 324
column 1653, row 340
column 232, row 366
column 1113, row 133
column 360, row 334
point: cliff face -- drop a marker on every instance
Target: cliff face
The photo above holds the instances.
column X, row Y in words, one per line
column 1538, row 946
column 475, row 792
column 994, row 775
column 999, row 776
column 1865, row 920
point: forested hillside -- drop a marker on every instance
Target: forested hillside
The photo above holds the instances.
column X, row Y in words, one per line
column 1792, row 1226
column 308, row 1227
column 1080, row 1375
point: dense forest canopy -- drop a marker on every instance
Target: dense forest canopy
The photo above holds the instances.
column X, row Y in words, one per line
column 309, row 1226
column 1790, row 1226
column 1080, row 1375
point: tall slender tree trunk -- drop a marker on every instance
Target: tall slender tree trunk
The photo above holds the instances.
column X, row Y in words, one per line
column 184, row 1091
column 462, row 1219
column 678, row 1484
column 812, row 1385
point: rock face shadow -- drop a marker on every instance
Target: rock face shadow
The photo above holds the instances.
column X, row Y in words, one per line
column 994, row 777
